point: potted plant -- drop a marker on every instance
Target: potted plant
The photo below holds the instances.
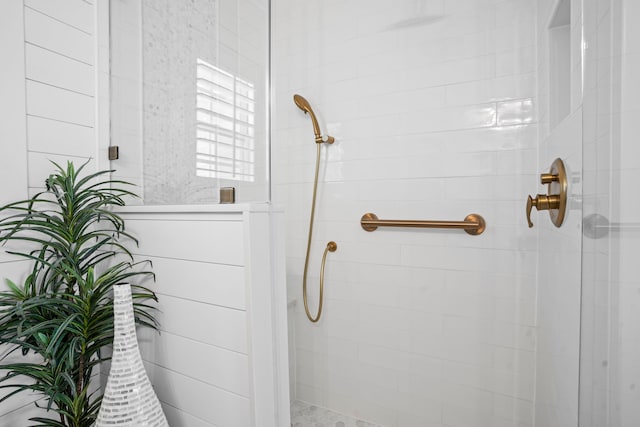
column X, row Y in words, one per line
column 62, row 314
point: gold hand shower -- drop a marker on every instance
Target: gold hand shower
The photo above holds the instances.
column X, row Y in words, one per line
column 304, row 105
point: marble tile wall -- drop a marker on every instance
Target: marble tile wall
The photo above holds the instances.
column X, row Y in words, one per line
column 433, row 106
column 174, row 35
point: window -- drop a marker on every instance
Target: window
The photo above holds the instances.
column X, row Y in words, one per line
column 224, row 124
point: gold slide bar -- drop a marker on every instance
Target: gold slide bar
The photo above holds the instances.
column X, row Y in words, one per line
column 473, row 224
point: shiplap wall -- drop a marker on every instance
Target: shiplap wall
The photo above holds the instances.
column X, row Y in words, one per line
column 220, row 359
column 48, row 110
column 203, row 320
column 60, row 53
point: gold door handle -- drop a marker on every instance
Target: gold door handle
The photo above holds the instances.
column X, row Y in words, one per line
column 542, row 202
column 555, row 201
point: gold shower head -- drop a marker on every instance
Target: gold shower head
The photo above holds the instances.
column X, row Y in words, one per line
column 304, row 105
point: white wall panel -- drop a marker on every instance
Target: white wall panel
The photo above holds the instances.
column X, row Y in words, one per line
column 59, row 104
column 209, row 283
column 225, row 369
column 217, row 293
column 76, row 13
column 54, row 69
column 18, row 416
column 13, row 170
column 55, row 137
column 18, row 408
column 57, row 49
column 16, row 271
column 208, row 241
column 210, row 324
column 204, row 401
column 56, row 36
column 17, row 402
column 177, row 417
column 40, row 166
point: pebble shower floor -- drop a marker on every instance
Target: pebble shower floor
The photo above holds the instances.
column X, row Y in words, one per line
column 304, row 414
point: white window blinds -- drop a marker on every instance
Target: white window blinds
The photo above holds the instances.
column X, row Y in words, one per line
column 224, row 124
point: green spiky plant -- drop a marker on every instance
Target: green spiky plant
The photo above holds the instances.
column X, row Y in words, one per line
column 62, row 315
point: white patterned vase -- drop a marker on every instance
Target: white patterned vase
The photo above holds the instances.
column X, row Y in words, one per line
column 129, row 399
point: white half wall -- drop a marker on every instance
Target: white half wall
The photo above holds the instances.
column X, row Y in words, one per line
column 221, row 356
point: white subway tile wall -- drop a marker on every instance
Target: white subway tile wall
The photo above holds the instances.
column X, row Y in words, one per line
column 433, row 107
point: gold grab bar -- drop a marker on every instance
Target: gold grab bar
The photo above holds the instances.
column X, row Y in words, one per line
column 473, row 224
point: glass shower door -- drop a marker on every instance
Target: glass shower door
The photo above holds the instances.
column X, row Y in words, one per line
column 610, row 372
column 189, row 98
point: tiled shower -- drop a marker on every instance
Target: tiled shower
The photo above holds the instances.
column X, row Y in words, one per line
column 439, row 109
column 433, row 119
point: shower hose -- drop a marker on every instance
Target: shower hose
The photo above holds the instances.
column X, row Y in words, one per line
column 331, row 247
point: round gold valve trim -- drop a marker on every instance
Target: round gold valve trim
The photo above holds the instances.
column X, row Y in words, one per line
column 555, row 201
